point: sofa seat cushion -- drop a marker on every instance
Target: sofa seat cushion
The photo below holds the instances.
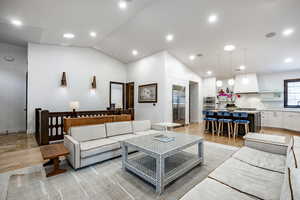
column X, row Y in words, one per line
column 267, row 138
column 89, row 132
column 143, row 125
column 118, row 128
column 120, row 138
column 210, row 189
column 260, row 183
column 149, row 132
column 265, row 160
column 291, row 185
column 93, row 147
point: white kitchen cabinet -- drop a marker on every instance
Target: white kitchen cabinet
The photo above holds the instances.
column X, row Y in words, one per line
column 272, row 119
column 291, row 121
column 246, row 83
column 265, row 118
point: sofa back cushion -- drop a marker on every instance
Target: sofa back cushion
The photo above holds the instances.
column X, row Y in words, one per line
column 86, row 133
column 118, row 128
column 138, row 126
column 291, row 185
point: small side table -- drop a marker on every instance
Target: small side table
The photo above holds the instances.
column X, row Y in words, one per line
column 53, row 152
column 166, row 125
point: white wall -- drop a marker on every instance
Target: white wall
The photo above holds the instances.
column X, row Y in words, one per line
column 164, row 69
column 266, row 82
column 209, row 87
column 179, row 74
column 12, row 89
column 45, row 66
column 145, row 71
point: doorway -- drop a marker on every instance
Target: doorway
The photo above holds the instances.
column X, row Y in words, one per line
column 178, row 104
column 194, row 110
column 130, row 95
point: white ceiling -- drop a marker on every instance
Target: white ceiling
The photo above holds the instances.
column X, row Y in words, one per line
column 145, row 23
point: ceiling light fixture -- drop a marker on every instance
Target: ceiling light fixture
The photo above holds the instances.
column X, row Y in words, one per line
column 288, row 60
column 192, row 57
column 170, row 37
column 123, row 5
column 135, row 52
column 212, row 19
column 231, row 82
column 16, row 22
column 93, row 34
column 69, row 35
column 219, row 83
column 288, row 32
column 209, row 73
column 229, row 47
column 242, row 67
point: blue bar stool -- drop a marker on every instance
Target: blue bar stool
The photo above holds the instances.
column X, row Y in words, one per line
column 209, row 117
column 242, row 116
column 227, row 121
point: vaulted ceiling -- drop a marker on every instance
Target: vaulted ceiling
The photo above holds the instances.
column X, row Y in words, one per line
column 145, row 23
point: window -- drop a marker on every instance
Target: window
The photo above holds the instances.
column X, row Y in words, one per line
column 292, row 93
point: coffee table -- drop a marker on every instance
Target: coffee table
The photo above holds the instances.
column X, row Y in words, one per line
column 161, row 162
column 53, row 152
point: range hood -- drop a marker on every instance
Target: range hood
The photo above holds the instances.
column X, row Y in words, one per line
column 246, row 84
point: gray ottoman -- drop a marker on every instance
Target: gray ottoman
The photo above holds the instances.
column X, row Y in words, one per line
column 277, row 144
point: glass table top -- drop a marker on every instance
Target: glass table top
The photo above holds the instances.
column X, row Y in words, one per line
column 148, row 142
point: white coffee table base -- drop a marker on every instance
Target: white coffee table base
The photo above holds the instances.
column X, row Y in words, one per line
column 170, row 165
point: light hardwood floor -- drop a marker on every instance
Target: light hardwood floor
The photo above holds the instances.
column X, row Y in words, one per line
column 21, row 150
column 198, row 129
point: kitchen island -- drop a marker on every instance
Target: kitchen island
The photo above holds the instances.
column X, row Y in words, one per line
column 253, row 116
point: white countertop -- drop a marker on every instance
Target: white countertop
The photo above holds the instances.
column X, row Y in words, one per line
column 282, row 109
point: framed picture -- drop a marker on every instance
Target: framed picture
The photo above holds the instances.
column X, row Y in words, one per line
column 148, row 93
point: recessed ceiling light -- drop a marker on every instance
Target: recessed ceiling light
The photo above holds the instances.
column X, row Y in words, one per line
column 170, row 37
column 229, row 47
column 231, row 82
column 16, row 22
column 69, row 35
column 93, row 34
column 219, row 83
column 288, row 32
column 9, row 58
column 212, row 19
column 123, row 5
column 192, row 57
column 242, row 67
column 135, row 52
column 288, row 60
column 209, row 72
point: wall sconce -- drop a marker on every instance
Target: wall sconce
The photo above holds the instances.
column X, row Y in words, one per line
column 94, row 84
column 63, row 82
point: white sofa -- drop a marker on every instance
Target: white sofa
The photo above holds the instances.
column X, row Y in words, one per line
column 253, row 174
column 96, row 143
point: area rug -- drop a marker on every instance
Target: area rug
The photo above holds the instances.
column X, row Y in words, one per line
column 107, row 181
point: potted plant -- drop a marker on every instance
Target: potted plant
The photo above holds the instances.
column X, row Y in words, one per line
column 230, row 98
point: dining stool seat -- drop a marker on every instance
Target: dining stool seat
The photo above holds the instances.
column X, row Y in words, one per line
column 241, row 120
column 210, row 120
column 223, row 121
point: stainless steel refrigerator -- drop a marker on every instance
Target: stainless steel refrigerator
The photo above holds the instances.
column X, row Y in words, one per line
column 178, row 104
